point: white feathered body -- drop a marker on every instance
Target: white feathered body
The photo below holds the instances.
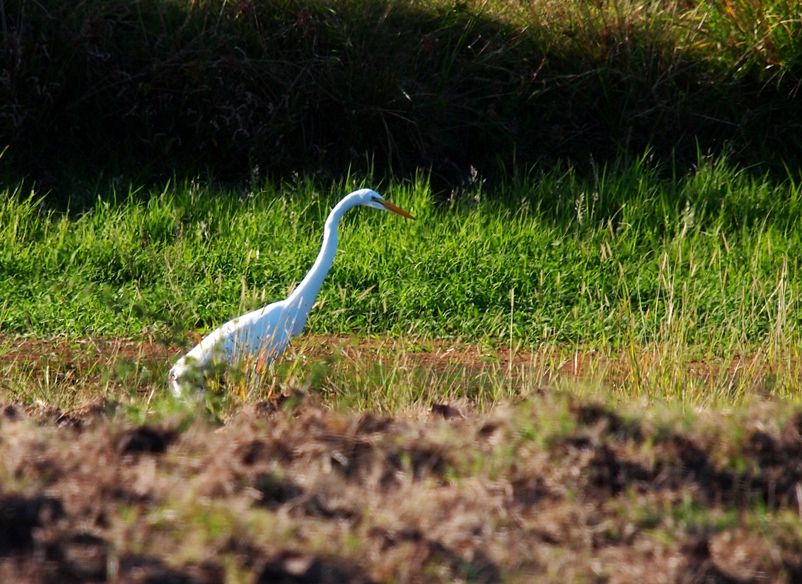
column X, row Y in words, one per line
column 262, row 334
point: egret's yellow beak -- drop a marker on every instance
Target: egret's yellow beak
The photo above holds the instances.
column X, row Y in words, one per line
column 395, row 209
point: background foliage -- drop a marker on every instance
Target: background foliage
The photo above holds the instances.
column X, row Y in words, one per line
column 252, row 87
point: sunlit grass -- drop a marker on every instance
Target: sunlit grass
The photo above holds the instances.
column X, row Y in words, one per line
column 391, row 375
column 708, row 261
column 683, row 289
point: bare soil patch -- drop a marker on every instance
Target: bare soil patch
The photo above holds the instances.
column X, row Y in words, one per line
column 306, row 494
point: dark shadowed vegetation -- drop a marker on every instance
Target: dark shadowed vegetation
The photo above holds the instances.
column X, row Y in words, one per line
column 157, row 87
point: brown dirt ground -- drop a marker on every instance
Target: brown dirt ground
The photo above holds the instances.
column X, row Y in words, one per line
column 310, row 495
column 552, row 489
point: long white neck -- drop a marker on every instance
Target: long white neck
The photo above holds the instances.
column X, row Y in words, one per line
column 305, row 293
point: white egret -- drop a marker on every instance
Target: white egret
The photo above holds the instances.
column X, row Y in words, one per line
column 261, row 335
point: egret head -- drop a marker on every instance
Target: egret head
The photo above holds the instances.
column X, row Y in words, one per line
column 371, row 198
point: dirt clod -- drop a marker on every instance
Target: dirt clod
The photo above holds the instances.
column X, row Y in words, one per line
column 82, row 556
column 591, row 414
column 296, row 568
column 702, row 568
column 11, row 412
column 446, row 411
column 609, row 472
column 144, row 440
column 21, row 515
column 276, row 490
column 139, row 569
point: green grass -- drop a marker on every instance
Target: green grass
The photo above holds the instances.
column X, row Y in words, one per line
column 709, row 261
column 683, row 289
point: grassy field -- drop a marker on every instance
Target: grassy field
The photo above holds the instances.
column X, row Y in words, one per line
column 566, row 379
column 706, row 259
column 580, row 363
column 701, row 268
